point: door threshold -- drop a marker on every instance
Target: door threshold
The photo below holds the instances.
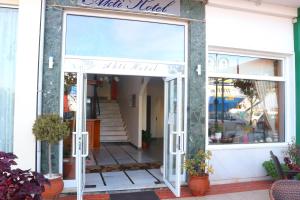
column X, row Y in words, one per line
column 111, row 189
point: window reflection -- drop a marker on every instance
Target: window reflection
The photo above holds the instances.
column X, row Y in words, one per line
column 106, row 37
column 245, row 111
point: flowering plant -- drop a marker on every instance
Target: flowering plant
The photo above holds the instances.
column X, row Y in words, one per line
column 198, row 164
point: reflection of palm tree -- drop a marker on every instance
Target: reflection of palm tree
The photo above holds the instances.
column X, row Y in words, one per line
column 247, row 87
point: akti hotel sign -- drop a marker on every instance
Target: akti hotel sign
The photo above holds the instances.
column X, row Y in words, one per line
column 171, row 7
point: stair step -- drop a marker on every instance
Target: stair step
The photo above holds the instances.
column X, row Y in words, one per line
column 113, row 133
column 109, row 112
column 108, row 116
column 115, row 138
column 112, row 128
column 112, row 120
column 108, row 105
column 112, row 124
column 107, row 101
column 109, row 108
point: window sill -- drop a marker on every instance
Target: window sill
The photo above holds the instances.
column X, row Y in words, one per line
column 245, row 146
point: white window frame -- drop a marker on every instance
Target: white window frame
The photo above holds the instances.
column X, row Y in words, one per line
column 288, row 77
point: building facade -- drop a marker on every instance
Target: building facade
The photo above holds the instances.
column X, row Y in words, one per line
column 236, row 59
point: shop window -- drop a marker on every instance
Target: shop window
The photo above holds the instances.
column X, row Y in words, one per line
column 246, row 100
column 8, row 31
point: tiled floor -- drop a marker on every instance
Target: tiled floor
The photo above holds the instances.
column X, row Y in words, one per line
column 124, row 153
column 123, row 180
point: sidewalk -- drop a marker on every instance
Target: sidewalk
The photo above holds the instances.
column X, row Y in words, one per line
column 250, row 195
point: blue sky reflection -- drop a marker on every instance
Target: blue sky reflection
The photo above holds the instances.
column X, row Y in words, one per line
column 105, row 37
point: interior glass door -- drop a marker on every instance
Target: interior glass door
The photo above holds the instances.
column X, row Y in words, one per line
column 174, row 135
column 81, row 135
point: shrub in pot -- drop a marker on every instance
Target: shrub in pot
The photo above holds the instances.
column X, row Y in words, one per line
column 51, row 128
column 17, row 183
column 146, row 139
column 198, row 170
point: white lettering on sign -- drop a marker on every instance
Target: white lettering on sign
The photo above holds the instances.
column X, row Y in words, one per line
column 155, row 6
column 124, row 67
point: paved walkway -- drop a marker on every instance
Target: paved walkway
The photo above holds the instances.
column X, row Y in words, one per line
column 250, row 195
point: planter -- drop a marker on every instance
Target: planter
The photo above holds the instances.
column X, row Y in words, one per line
column 145, row 145
column 53, row 190
column 198, row 185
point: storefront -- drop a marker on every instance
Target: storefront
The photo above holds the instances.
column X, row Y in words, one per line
column 250, row 70
column 227, row 66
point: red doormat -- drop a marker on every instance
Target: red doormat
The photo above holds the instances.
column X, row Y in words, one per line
column 219, row 189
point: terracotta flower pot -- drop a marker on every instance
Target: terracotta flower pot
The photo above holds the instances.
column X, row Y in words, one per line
column 53, row 190
column 198, row 185
column 145, row 145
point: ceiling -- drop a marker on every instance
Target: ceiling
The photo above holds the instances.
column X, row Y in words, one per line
column 289, row 3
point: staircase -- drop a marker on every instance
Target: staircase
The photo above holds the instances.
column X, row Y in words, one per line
column 112, row 124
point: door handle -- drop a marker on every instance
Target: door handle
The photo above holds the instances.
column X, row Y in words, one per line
column 171, row 143
column 181, row 139
column 85, row 149
column 73, row 144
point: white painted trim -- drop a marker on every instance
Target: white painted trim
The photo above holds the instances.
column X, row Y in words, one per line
column 289, row 79
column 248, row 6
column 9, row 6
column 245, row 146
column 99, row 58
column 242, row 180
column 244, row 76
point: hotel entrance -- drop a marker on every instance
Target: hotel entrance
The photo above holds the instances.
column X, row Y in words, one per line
column 127, row 64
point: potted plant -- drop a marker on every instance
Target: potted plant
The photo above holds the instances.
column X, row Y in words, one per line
column 198, row 170
column 146, row 139
column 16, row 183
column 219, row 130
column 51, row 128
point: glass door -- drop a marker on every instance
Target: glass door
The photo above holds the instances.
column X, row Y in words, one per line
column 174, row 134
column 80, row 137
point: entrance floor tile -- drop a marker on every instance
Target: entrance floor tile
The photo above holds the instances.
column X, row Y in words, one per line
column 93, row 181
column 116, row 179
column 141, row 177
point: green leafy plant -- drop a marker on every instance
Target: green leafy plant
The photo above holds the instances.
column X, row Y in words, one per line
column 146, row 136
column 293, row 152
column 198, row 164
column 219, row 128
column 50, row 128
column 271, row 170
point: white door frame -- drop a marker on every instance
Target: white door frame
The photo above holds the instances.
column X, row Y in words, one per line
column 83, row 64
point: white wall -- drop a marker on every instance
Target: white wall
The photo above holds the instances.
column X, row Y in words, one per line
column 9, row 2
column 241, row 164
column 127, row 86
column 236, row 28
column 26, row 82
column 241, row 27
column 155, row 89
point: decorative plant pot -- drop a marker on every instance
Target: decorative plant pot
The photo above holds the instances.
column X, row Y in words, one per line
column 53, row 190
column 145, row 145
column 198, row 185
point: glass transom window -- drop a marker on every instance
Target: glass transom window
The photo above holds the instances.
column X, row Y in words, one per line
column 120, row 38
column 245, row 110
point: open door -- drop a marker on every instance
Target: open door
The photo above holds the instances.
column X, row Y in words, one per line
column 80, row 137
column 174, row 134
